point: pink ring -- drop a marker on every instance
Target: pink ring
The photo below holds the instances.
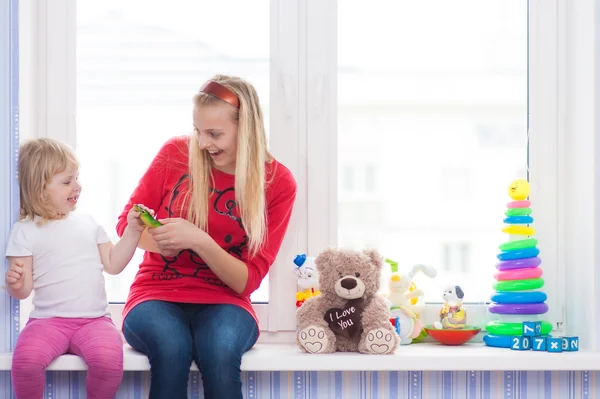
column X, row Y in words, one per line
column 518, row 274
column 519, row 204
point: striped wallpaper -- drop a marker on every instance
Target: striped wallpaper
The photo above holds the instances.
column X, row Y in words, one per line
column 351, row 385
column 296, row 385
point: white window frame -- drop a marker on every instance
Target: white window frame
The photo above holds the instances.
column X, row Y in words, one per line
column 304, row 119
column 544, row 141
column 48, row 101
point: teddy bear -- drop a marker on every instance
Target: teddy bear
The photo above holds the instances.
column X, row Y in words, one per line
column 349, row 315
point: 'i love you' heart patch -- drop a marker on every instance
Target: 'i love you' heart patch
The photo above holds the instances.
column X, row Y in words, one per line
column 345, row 322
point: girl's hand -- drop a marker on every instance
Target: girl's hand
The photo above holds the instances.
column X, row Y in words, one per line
column 133, row 218
column 14, row 276
column 175, row 235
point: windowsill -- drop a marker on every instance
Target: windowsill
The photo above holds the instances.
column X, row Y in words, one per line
column 426, row 356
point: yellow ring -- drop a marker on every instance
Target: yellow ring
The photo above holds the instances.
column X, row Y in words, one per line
column 520, row 230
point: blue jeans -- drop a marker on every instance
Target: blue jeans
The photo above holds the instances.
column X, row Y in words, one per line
column 174, row 334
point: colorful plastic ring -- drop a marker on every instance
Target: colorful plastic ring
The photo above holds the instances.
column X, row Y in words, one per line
column 518, row 274
column 517, row 318
column 518, row 220
column 502, row 341
column 518, row 285
column 518, row 308
column 519, row 263
column 518, row 212
column 519, row 297
column 519, row 230
column 519, row 254
column 498, row 341
column 519, row 204
column 519, row 244
column 501, row 328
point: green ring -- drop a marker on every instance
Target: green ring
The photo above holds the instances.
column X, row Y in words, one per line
column 520, row 244
column 503, row 328
column 518, row 212
column 519, row 285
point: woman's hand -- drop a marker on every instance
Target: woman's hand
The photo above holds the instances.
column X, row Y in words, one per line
column 175, row 235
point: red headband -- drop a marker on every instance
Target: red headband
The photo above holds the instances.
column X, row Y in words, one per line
column 215, row 89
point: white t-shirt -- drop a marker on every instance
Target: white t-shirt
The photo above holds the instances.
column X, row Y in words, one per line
column 67, row 270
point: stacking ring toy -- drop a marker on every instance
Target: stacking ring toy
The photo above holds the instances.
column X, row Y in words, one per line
column 519, row 285
column 500, row 328
column 518, row 263
column 519, row 254
column 518, row 308
column 519, row 297
column 519, row 244
column 518, row 212
column 518, row 220
column 518, row 204
column 519, row 230
column 518, row 274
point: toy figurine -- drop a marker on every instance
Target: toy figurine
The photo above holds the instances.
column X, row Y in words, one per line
column 147, row 218
column 406, row 301
column 453, row 315
column 308, row 279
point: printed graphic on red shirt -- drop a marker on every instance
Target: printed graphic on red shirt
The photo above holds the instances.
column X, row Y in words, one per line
column 224, row 205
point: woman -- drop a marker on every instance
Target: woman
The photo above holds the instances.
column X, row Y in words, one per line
column 225, row 204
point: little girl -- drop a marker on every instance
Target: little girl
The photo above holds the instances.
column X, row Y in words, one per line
column 60, row 256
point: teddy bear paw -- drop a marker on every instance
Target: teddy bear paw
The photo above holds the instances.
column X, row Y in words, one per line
column 313, row 339
column 379, row 341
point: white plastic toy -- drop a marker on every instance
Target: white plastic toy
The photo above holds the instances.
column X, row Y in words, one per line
column 406, row 301
column 308, row 279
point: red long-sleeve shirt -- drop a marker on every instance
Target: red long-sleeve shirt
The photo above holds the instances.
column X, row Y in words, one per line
column 186, row 277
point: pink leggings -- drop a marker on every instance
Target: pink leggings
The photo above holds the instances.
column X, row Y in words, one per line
column 96, row 340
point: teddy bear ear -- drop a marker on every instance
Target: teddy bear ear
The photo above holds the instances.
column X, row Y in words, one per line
column 325, row 257
column 375, row 256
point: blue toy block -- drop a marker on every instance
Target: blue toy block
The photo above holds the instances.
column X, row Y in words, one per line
column 564, row 341
column 539, row 344
column 532, row 328
column 520, row 343
column 554, row 345
column 573, row 344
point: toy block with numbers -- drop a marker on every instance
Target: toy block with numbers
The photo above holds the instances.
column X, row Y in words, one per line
column 573, row 344
column 532, row 329
column 539, row 344
column 554, row 345
column 570, row 344
column 520, row 343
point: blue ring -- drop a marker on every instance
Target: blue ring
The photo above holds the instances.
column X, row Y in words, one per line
column 519, row 253
column 497, row 341
column 519, row 297
column 518, row 220
column 501, row 341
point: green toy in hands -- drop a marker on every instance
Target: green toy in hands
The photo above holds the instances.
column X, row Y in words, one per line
column 147, row 218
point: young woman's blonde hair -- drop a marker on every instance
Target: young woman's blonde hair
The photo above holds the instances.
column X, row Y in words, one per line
column 39, row 161
column 251, row 157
